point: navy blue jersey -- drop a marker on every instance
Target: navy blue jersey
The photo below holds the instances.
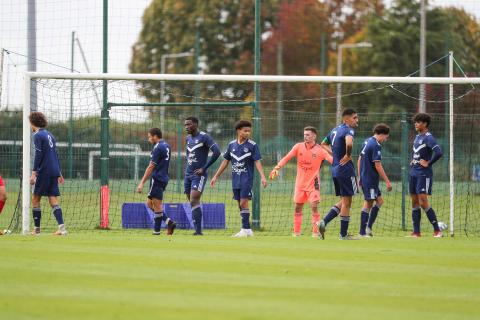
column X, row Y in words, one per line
column 336, row 139
column 371, row 153
column 46, row 162
column 422, row 149
column 243, row 157
column 160, row 157
column 197, row 151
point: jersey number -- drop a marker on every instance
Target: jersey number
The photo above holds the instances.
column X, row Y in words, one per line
column 50, row 142
column 168, row 154
column 334, row 136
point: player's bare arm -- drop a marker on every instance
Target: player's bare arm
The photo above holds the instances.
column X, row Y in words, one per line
column 146, row 175
column 381, row 172
column 219, row 172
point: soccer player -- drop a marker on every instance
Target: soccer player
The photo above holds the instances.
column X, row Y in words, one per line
column 198, row 145
column 3, row 197
column 340, row 142
column 46, row 174
column 310, row 157
column 244, row 155
column 369, row 166
column 158, row 169
column 426, row 152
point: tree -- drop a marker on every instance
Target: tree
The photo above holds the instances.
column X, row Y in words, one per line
column 226, row 29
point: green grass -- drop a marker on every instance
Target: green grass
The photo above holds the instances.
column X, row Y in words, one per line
column 95, row 275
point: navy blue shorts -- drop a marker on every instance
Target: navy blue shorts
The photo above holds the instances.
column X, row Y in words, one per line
column 157, row 189
column 242, row 193
column 420, row 185
column 194, row 182
column 371, row 191
column 46, row 186
column 345, row 186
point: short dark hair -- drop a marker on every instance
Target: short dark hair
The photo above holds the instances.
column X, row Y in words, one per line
column 243, row 124
column 38, row 119
column 348, row 112
column 310, row 128
column 381, row 128
column 193, row 119
column 422, row 117
column 155, row 132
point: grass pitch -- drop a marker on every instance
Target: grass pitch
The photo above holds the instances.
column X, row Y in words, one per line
column 118, row 275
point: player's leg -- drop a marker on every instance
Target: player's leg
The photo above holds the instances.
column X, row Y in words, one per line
column 416, row 213
column 345, row 216
column 315, row 218
column 57, row 213
column 373, row 215
column 297, row 219
column 40, row 189
column 424, row 204
column 364, row 215
column 299, row 198
column 243, row 204
column 3, row 194
column 314, row 200
column 53, row 193
column 335, row 210
column 195, row 197
column 36, row 213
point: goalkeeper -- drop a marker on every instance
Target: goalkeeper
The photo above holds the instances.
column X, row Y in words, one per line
column 310, row 157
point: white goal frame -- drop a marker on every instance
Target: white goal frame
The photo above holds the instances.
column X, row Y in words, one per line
column 229, row 78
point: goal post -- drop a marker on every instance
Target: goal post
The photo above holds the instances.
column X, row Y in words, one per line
column 248, row 79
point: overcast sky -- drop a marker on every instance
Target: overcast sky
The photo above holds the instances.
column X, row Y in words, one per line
column 56, row 19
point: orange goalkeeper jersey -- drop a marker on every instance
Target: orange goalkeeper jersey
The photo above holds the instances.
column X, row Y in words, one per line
column 309, row 160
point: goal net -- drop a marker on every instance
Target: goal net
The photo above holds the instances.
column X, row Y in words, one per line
column 100, row 123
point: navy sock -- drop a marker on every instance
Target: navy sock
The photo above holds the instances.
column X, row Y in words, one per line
column 416, row 217
column 57, row 212
column 245, row 213
column 197, row 219
column 432, row 217
column 373, row 216
column 37, row 216
column 332, row 214
column 344, row 220
column 157, row 221
column 363, row 221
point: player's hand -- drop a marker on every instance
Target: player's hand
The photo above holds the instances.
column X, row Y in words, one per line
column 61, row 180
column 389, row 186
column 345, row 160
column 140, row 188
column 199, row 171
column 359, row 184
column 213, row 181
column 264, row 182
column 273, row 174
column 424, row 163
column 33, row 178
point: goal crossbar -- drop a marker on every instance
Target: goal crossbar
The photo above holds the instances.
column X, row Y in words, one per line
column 251, row 78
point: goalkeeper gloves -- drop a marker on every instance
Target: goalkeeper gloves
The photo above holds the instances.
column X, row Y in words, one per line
column 274, row 173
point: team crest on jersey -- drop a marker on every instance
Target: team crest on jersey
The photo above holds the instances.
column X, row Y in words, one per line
column 420, row 142
column 314, row 155
column 196, row 141
column 245, row 149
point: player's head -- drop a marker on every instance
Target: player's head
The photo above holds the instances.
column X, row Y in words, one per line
column 154, row 135
column 191, row 125
column 421, row 121
column 350, row 117
column 37, row 120
column 309, row 134
column 381, row 132
column 243, row 129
